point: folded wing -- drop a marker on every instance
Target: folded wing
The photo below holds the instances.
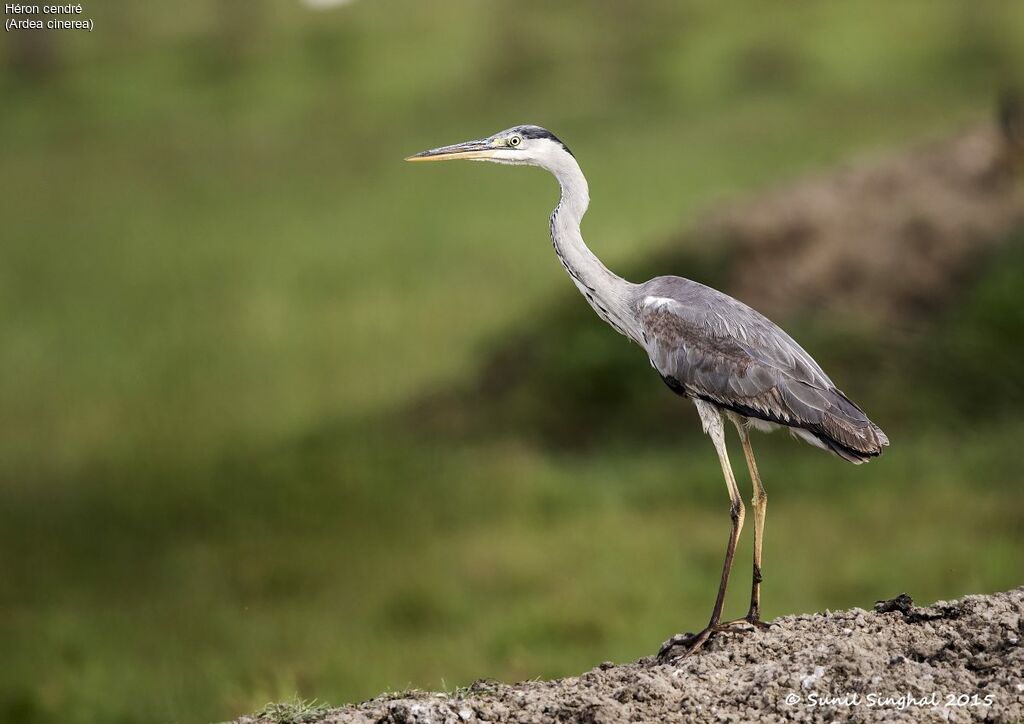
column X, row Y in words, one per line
column 708, row 345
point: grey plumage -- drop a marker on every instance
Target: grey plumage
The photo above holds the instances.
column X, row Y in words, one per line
column 707, row 345
column 732, row 361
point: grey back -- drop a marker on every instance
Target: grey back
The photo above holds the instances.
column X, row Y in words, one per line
column 707, row 345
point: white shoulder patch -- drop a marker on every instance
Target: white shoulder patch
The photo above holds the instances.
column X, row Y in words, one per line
column 658, row 302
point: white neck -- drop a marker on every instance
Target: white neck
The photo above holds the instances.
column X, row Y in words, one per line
column 610, row 295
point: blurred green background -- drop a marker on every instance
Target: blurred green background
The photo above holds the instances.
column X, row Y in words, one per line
column 225, row 302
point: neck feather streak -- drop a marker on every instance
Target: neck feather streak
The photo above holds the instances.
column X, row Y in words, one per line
column 609, row 294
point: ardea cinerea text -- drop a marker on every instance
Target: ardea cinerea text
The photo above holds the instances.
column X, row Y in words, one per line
column 730, row 360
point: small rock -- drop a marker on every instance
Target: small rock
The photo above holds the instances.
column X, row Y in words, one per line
column 810, row 680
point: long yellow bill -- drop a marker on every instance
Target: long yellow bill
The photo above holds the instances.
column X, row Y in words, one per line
column 468, row 150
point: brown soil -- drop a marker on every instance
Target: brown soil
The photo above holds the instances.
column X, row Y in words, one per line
column 959, row 661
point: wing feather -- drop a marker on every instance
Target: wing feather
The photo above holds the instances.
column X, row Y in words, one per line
column 708, row 345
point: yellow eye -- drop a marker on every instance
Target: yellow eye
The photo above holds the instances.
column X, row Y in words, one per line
column 514, row 141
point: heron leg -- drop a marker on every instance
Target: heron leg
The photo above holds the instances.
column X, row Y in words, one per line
column 711, row 418
column 759, row 500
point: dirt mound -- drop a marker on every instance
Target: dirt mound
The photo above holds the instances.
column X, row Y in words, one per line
column 958, row 661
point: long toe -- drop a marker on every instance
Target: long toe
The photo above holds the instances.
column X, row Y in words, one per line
column 739, row 625
column 743, row 625
column 676, row 642
column 680, row 646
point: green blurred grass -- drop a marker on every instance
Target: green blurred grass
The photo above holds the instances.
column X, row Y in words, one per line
column 218, row 283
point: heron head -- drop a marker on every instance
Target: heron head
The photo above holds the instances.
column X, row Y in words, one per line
column 517, row 146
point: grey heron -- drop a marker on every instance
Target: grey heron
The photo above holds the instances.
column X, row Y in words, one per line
column 734, row 363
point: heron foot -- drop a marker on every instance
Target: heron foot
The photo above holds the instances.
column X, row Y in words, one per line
column 680, row 646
